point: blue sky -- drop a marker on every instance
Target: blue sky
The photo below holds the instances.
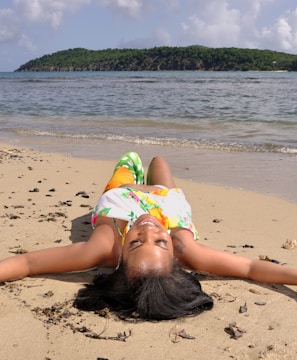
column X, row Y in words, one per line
column 33, row 28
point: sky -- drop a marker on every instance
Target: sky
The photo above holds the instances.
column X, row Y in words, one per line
column 32, row 28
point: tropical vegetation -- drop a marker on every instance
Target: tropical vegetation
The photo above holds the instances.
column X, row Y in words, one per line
column 164, row 58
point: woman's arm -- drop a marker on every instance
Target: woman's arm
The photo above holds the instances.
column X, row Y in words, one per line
column 100, row 249
column 203, row 258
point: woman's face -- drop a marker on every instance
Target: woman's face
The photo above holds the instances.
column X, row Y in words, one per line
column 147, row 247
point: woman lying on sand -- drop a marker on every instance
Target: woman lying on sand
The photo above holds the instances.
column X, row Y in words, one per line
column 146, row 233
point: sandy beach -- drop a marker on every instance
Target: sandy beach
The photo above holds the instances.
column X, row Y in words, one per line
column 46, row 199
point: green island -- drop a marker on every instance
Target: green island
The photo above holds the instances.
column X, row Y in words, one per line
column 190, row 58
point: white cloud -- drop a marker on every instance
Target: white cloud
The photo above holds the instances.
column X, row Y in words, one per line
column 213, row 24
column 132, row 8
column 17, row 21
column 8, row 26
column 218, row 24
column 286, row 31
column 45, row 11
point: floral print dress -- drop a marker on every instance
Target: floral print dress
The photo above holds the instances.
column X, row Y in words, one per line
column 169, row 206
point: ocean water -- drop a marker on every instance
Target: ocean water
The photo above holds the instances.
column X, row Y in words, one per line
column 232, row 115
column 224, row 111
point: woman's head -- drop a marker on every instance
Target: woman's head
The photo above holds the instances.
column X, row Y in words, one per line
column 170, row 296
column 148, row 283
column 150, row 297
column 147, row 248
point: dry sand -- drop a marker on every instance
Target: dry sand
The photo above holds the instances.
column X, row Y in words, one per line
column 39, row 209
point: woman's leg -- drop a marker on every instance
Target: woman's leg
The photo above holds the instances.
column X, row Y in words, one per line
column 128, row 170
column 159, row 173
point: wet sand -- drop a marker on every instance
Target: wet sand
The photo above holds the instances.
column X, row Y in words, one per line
column 267, row 173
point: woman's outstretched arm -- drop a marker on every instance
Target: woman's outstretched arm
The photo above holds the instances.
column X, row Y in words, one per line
column 205, row 259
column 100, row 249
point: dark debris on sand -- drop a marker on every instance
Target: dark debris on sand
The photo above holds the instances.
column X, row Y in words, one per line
column 63, row 313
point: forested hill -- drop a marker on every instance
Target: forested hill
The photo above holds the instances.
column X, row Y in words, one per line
column 164, row 58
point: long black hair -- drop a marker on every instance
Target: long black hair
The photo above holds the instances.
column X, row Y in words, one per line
column 149, row 297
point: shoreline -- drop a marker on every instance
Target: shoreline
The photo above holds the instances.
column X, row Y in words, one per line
column 266, row 173
column 54, row 216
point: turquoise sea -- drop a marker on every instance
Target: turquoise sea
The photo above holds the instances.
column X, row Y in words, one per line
column 236, row 117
